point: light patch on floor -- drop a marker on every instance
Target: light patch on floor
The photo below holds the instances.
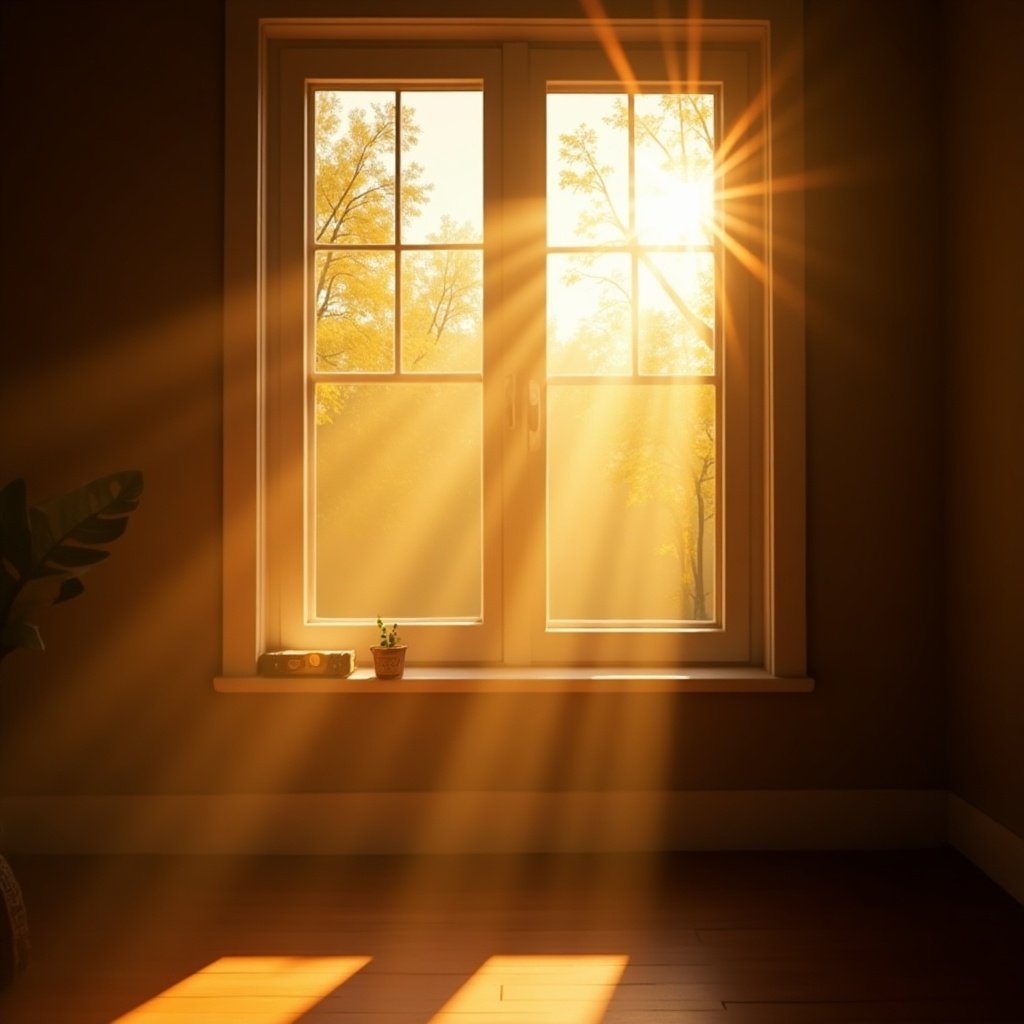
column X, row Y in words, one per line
column 256, row 989
column 538, row 989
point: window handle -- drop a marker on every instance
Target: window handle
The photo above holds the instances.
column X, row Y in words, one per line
column 533, row 416
column 511, row 401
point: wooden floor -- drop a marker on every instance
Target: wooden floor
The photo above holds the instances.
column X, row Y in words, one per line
column 714, row 938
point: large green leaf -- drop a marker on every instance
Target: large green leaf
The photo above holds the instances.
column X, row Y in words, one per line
column 46, row 549
column 22, row 634
column 15, row 536
column 66, row 530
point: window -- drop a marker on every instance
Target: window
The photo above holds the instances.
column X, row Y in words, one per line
column 504, row 355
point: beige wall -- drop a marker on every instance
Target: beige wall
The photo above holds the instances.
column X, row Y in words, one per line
column 985, row 423
column 111, row 331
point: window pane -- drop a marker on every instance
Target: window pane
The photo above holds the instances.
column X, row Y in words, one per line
column 677, row 313
column 398, row 506
column 631, row 504
column 587, row 169
column 354, row 310
column 442, row 311
column 442, row 167
column 589, row 316
column 674, row 153
column 355, row 168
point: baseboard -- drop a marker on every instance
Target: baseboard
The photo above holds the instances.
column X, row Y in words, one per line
column 993, row 847
column 512, row 822
column 474, row 822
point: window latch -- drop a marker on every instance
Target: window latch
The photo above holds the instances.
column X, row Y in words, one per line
column 511, row 401
column 533, row 416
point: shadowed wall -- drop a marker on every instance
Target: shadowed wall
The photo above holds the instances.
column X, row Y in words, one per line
column 984, row 552
column 112, row 337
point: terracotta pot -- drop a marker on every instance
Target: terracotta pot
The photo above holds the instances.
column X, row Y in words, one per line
column 13, row 926
column 388, row 662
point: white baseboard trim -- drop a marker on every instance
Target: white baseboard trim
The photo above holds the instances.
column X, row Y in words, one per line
column 991, row 846
column 474, row 822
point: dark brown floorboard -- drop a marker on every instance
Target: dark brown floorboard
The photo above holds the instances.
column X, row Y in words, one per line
column 773, row 938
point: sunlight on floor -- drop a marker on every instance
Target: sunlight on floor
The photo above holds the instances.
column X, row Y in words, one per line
column 280, row 990
column 256, row 989
column 539, row 989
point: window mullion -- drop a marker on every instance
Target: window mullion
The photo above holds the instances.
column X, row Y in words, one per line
column 634, row 260
column 398, row 233
column 521, row 340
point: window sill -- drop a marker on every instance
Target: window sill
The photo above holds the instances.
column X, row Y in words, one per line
column 527, row 680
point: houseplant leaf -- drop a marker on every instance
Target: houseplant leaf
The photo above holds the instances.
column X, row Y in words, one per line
column 45, row 550
column 15, row 535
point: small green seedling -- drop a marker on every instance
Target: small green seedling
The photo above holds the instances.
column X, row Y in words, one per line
column 388, row 636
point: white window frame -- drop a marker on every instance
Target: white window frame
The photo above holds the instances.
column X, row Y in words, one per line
column 778, row 650
column 288, row 622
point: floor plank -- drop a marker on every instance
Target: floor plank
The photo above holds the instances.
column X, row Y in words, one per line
column 716, row 938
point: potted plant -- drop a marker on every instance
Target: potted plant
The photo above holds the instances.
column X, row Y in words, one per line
column 44, row 552
column 389, row 654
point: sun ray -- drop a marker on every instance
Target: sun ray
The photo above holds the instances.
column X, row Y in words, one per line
column 610, row 42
